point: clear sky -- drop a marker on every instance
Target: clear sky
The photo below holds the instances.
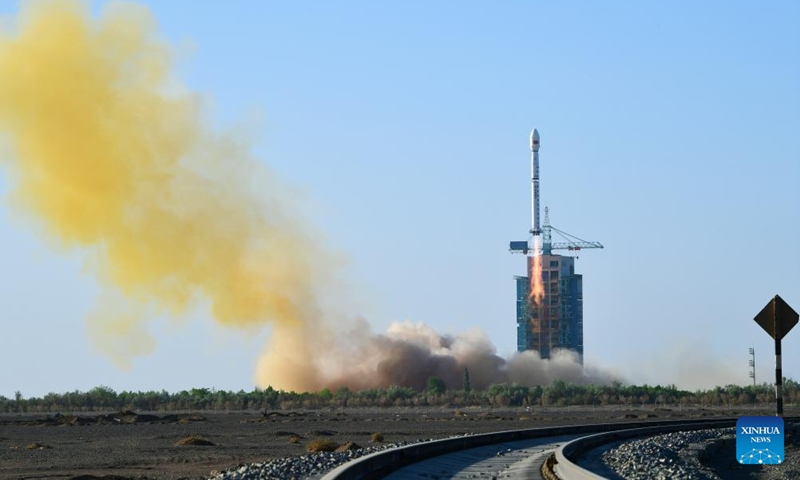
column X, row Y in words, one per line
column 669, row 133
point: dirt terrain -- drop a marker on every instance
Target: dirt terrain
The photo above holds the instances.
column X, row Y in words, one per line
column 144, row 445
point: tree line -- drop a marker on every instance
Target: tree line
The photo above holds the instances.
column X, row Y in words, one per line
column 556, row 394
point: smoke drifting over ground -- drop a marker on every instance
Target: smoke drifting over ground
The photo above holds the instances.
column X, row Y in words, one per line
column 111, row 156
column 406, row 355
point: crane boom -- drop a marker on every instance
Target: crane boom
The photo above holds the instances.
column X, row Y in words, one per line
column 574, row 245
column 568, row 241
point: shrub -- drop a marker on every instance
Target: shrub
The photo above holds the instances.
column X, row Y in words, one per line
column 377, row 437
column 37, row 446
column 436, row 385
column 195, row 440
column 321, row 446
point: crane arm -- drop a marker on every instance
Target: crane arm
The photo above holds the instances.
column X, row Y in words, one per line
column 571, row 241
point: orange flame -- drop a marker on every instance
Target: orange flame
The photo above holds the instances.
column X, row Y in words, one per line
column 537, row 288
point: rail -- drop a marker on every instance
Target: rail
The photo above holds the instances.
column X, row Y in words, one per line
column 378, row 465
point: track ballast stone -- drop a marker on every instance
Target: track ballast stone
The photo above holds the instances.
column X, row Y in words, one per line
column 671, row 456
column 312, row 465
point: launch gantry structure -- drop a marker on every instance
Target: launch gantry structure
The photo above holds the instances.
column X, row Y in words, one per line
column 549, row 299
column 570, row 242
column 546, row 246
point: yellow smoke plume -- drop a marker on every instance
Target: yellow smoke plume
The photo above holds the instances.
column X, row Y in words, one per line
column 111, row 157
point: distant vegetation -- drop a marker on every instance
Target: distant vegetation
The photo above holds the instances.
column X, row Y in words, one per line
column 557, row 393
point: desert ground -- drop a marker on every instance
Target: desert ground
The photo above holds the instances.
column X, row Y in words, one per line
column 139, row 445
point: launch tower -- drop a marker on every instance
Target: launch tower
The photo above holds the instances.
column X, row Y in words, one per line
column 550, row 297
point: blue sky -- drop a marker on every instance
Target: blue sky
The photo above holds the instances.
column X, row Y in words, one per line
column 669, row 133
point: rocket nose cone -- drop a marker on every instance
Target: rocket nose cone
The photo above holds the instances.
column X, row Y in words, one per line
column 535, row 140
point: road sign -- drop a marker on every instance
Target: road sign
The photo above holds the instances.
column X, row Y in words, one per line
column 777, row 315
column 777, row 318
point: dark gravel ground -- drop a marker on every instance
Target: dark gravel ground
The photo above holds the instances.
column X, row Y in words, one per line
column 149, row 450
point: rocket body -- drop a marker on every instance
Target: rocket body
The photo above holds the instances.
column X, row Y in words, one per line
column 535, row 228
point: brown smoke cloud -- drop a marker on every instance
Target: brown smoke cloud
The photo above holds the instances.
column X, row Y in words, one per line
column 111, row 157
column 302, row 358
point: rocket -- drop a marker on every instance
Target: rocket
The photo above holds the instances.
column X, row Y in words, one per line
column 535, row 230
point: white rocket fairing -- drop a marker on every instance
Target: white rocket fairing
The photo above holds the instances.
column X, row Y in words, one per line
column 535, row 230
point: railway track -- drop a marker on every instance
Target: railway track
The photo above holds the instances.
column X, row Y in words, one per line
column 514, row 454
column 509, row 460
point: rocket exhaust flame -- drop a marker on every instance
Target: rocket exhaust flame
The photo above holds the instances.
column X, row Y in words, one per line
column 537, row 288
column 110, row 155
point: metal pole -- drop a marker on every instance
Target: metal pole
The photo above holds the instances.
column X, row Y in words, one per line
column 778, row 375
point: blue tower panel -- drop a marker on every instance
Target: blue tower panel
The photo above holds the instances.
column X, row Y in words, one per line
column 571, row 305
column 557, row 323
column 523, row 322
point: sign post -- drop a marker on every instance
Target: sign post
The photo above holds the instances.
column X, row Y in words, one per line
column 777, row 318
